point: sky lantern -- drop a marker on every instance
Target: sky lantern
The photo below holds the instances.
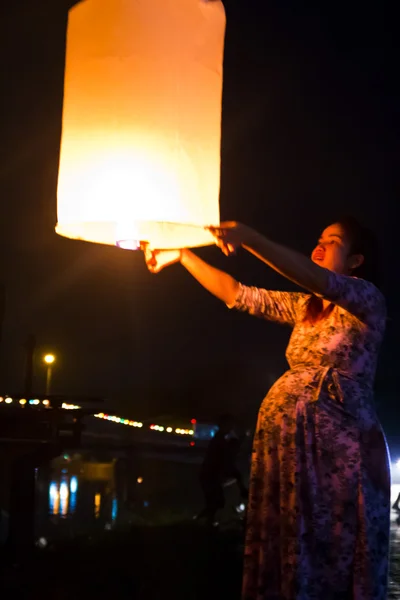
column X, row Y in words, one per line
column 141, row 130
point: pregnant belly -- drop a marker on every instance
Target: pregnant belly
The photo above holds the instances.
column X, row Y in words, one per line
column 294, row 384
column 328, row 388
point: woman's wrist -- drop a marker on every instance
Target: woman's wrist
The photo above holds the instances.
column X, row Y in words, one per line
column 249, row 236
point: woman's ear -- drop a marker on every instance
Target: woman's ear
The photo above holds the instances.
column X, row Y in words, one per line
column 355, row 261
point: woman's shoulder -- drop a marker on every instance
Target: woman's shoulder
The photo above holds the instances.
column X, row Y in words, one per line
column 370, row 293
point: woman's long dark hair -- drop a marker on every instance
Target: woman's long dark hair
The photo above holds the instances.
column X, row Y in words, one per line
column 362, row 241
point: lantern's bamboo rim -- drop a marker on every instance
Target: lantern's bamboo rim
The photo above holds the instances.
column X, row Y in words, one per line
column 157, row 234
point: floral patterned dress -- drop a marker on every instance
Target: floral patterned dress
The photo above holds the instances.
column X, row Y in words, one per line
column 319, row 504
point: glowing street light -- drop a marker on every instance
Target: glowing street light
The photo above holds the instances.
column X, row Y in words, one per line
column 49, row 360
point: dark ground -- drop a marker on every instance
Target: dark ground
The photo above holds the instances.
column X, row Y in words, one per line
column 185, row 562
column 179, row 562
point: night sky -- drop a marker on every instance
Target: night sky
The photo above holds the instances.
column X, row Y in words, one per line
column 310, row 131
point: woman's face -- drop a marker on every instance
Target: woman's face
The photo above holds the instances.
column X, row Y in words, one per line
column 333, row 251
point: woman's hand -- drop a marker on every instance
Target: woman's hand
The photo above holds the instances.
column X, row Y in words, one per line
column 156, row 260
column 230, row 235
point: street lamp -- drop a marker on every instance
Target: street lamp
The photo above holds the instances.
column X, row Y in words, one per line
column 49, row 359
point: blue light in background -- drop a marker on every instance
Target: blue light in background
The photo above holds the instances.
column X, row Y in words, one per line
column 72, row 502
column 53, row 495
column 114, row 509
column 73, row 485
column 64, row 497
column 73, row 488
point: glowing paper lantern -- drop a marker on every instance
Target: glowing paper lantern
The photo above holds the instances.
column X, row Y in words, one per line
column 140, row 148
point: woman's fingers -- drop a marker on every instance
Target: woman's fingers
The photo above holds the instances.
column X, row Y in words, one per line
column 149, row 257
column 227, row 249
column 223, row 225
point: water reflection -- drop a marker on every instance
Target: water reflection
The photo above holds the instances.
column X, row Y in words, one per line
column 63, row 496
column 54, row 498
column 114, row 509
column 75, row 495
column 73, row 489
column 97, row 504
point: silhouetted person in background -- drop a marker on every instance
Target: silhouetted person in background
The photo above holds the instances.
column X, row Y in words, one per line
column 219, row 465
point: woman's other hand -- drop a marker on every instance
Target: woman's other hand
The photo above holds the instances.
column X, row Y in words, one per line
column 156, row 260
column 229, row 236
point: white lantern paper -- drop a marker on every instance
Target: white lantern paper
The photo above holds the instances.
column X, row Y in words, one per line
column 140, row 147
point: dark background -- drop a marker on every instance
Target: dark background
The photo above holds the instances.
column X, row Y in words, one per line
column 310, row 131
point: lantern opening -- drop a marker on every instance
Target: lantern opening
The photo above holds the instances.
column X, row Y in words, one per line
column 128, row 244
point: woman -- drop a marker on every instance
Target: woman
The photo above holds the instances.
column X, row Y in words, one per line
column 319, row 501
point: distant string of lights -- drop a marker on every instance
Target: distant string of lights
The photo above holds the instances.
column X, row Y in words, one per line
column 153, row 427
column 36, row 402
column 112, row 418
column 23, row 401
column 119, row 420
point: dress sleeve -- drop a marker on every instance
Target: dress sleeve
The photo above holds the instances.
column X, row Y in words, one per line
column 358, row 296
column 281, row 307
